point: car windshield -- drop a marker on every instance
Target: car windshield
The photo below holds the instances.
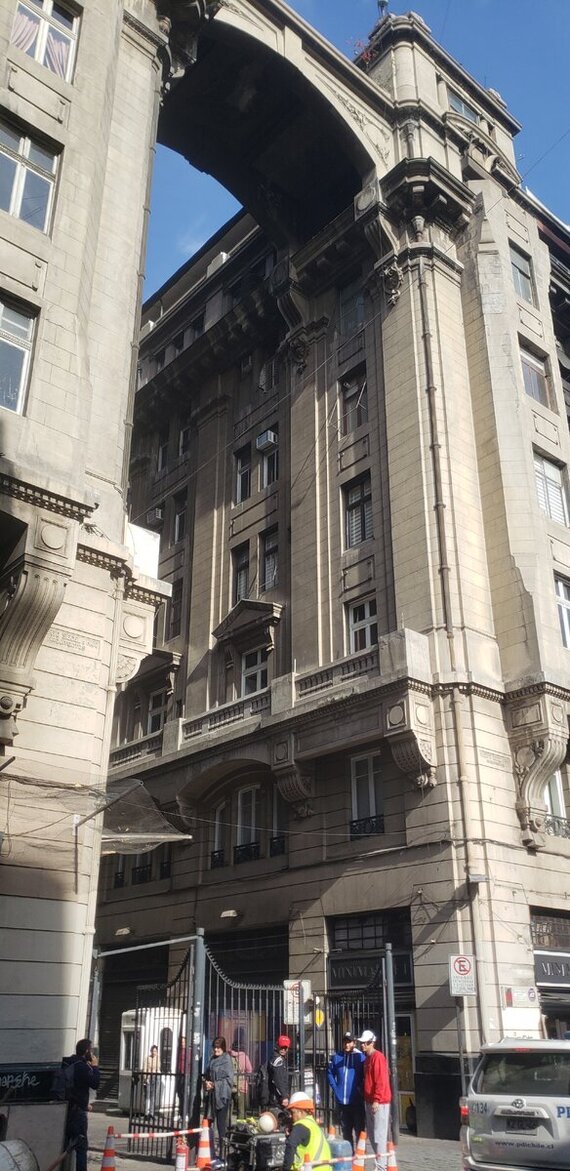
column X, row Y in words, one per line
column 528, row 1072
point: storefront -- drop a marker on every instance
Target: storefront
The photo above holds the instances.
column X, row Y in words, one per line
column 551, row 942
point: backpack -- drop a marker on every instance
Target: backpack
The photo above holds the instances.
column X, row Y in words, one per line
column 64, row 1082
column 261, row 1086
column 235, row 1083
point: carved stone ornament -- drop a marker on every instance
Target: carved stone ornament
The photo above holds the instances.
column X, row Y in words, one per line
column 294, row 781
column 539, row 742
column 415, row 757
column 408, row 725
column 393, row 281
column 180, row 21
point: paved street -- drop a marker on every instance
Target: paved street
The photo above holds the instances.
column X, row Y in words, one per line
column 413, row 1153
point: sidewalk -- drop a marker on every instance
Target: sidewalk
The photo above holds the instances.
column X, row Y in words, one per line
column 414, row 1154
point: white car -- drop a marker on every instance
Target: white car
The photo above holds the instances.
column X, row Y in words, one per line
column 516, row 1116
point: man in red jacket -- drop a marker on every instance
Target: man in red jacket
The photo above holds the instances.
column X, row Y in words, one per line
column 377, row 1097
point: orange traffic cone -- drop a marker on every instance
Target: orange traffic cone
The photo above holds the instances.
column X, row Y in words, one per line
column 307, row 1165
column 358, row 1160
column 108, row 1163
column 331, row 1132
column 392, row 1162
column 204, row 1158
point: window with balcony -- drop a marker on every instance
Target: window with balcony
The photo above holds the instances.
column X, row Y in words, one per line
column 164, row 860
column 16, row 339
column 254, row 671
column 243, row 473
column 522, row 274
column 120, row 871
column 247, row 848
column 240, row 558
column 47, row 31
column 460, row 106
column 535, row 377
column 175, row 609
column 563, row 603
column 27, row 177
column 353, row 402
column 358, row 511
column 221, row 819
column 279, row 827
column 157, row 707
column 362, row 625
column 367, row 796
column 269, row 559
column 557, row 822
column 551, row 489
column 179, row 526
column 141, row 870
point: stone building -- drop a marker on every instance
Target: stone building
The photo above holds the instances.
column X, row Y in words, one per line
column 351, row 434
column 79, row 80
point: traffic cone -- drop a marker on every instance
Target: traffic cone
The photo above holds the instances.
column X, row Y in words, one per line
column 204, row 1158
column 331, row 1132
column 307, row 1165
column 392, row 1162
column 358, row 1160
column 108, row 1163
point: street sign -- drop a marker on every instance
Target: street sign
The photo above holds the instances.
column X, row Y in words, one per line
column 462, row 975
column 291, row 1000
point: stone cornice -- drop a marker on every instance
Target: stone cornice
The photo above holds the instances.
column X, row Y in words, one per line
column 40, row 497
column 153, row 37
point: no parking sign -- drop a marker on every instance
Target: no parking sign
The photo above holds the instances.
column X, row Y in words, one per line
column 462, row 975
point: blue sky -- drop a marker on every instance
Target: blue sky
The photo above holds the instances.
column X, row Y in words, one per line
column 519, row 47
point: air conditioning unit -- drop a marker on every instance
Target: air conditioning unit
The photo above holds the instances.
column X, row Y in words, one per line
column 266, row 441
column 154, row 516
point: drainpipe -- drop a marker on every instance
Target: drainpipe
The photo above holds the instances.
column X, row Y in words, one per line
column 456, row 705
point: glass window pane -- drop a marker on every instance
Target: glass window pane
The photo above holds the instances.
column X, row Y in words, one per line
column 12, row 362
column 25, row 30
column 35, row 200
column 10, row 138
column 7, row 177
column 62, row 16
column 42, row 158
column 57, row 52
column 14, row 322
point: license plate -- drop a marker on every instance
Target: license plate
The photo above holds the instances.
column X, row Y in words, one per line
column 521, row 1123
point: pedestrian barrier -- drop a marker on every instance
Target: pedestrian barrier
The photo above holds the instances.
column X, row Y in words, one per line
column 159, row 1133
column 108, row 1161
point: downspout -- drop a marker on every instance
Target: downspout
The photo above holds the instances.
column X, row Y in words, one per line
column 456, row 705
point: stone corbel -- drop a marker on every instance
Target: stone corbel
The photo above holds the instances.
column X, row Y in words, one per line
column 180, row 21
column 538, row 728
column 293, row 308
column 294, row 781
column 369, row 213
column 135, row 639
column 408, row 726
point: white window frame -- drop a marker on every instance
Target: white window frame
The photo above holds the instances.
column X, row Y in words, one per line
column 175, row 609
column 537, row 374
column 270, row 461
column 269, row 560
column 42, row 14
column 374, row 774
column 162, row 453
column 256, row 671
column 183, row 441
column 243, row 473
column 361, row 507
column 551, row 488
column 362, row 629
column 521, row 269
column 19, row 338
column 180, row 511
column 247, row 832
column 554, row 796
column 21, row 156
column 563, row 604
column 353, row 402
column 156, row 711
column 220, row 825
column 240, row 557
column 460, row 106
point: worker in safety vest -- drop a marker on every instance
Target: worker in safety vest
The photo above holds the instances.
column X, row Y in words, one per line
column 305, row 1137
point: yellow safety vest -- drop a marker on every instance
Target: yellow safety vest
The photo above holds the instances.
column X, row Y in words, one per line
column 317, row 1147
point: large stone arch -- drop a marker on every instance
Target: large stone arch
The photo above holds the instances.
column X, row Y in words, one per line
column 255, row 98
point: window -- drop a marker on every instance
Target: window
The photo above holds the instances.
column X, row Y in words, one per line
column 141, row 869
column 367, row 798
column 522, row 274
column 241, row 572
column 461, row 107
column 179, row 530
column 351, row 309
column 164, row 853
column 243, row 473
column 563, row 601
column 254, row 671
column 269, row 560
column 280, row 821
column 157, row 704
column 217, row 857
column 247, row 838
column 363, row 628
column 175, row 609
column 120, row 868
column 16, row 335
column 550, row 488
column 554, row 796
column 162, row 452
column 358, row 512
column 178, row 342
column 535, row 377
column 183, row 441
column 270, row 459
column 159, row 360
column 48, row 33
column 197, row 327
column 27, row 176
column 354, row 402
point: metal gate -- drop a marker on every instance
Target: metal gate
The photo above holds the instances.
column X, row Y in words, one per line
column 171, row 1031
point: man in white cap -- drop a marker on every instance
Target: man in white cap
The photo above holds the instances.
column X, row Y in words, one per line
column 305, row 1136
column 377, row 1097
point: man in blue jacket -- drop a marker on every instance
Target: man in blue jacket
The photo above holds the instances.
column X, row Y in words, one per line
column 345, row 1077
column 86, row 1077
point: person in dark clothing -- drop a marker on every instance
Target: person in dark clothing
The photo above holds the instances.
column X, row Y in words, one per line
column 218, row 1083
column 278, row 1074
column 86, row 1077
column 345, row 1076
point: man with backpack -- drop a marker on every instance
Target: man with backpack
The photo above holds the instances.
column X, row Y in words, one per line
column 79, row 1074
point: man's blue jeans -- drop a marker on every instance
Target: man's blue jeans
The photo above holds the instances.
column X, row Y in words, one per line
column 77, row 1134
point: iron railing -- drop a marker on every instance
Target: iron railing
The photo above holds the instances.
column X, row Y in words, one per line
column 249, row 852
column 362, row 827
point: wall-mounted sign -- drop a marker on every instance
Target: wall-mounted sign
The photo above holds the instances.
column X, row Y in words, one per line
column 361, row 971
column 462, row 976
column 552, row 969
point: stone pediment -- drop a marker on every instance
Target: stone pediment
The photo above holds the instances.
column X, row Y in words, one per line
column 249, row 623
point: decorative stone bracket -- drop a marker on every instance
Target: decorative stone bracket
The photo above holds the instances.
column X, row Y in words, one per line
column 293, row 308
column 180, row 21
column 408, row 727
column 295, row 781
column 538, row 731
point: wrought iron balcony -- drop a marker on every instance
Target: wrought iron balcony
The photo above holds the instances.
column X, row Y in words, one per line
column 249, row 852
column 558, row 827
column 277, row 845
column 217, row 859
column 362, row 827
column 165, row 869
column 140, row 874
